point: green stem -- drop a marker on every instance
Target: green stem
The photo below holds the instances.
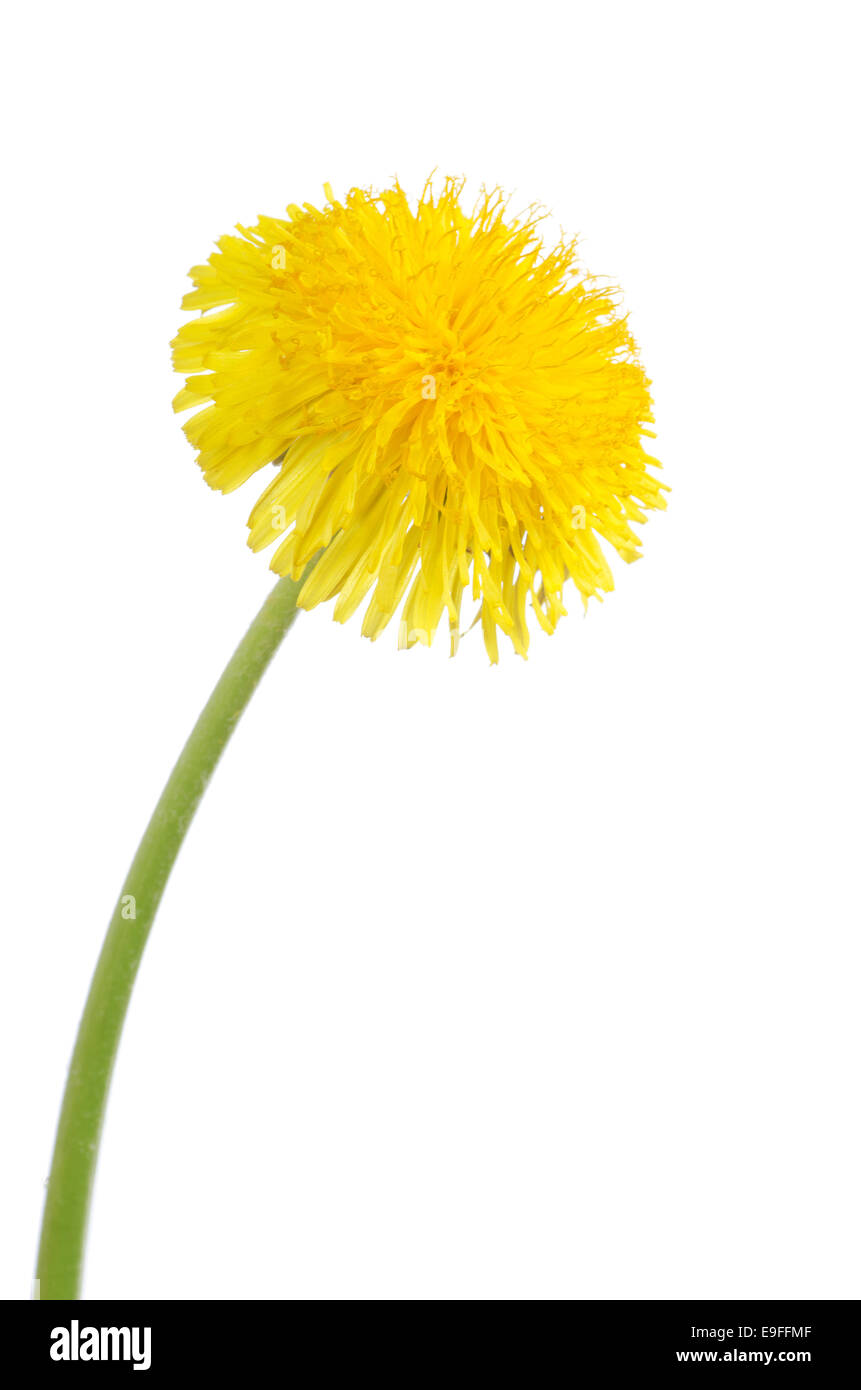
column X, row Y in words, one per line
column 67, row 1202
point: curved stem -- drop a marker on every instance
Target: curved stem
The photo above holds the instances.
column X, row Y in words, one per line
column 67, row 1202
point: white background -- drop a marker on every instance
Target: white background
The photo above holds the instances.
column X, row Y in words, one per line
column 529, row 982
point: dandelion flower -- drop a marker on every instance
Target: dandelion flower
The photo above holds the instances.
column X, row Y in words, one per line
column 452, row 409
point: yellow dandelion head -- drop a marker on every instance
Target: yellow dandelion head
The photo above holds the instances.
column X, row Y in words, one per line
column 450, row 406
